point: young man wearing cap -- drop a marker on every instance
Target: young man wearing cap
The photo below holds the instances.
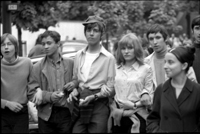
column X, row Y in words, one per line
column 94, row 68
column 196, row 33
column 157, row 36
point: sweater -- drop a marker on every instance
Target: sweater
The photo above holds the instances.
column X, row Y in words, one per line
column 14, row 81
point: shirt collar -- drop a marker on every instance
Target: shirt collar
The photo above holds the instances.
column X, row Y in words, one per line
column 102, row 50
column 135, row 66
column 58, row 61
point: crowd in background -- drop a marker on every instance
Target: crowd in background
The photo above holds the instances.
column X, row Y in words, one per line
column 149, row 84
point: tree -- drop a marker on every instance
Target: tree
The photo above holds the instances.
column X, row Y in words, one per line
column 165, row 12
column 33, row 15
column 73, row 10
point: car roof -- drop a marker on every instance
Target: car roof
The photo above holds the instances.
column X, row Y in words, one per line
column 69, row 54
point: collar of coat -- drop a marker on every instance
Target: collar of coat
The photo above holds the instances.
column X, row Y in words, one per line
column 188, row 85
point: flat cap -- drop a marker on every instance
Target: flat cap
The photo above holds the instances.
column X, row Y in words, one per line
column 95, row 19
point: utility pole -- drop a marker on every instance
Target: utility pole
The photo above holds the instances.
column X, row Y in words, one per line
column 6, row 17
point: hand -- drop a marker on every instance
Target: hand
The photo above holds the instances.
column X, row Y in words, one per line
column 37, row 99
column 86, row 101
column 73, row 95
column 126, row 104
column 55, row 97
column 14, row 106
column 128, row 113
column 69, row 87
column 145, row 100
column 105, row 91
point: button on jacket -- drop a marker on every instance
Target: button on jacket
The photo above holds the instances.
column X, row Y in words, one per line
column 175, row 115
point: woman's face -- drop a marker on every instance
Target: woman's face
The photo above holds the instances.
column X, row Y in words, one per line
column 172, row 66
column 8, row 49
column 128, row 52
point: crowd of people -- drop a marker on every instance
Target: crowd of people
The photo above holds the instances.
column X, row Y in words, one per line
column 134, row 90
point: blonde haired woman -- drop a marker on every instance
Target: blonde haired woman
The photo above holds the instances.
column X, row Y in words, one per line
column 133, row 84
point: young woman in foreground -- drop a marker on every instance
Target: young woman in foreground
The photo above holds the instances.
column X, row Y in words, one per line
column 176, row 103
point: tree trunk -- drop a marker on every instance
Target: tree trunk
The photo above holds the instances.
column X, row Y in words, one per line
column 106, row 41
column 188, row 19
column 20, row 40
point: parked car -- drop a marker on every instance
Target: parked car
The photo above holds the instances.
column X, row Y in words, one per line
column 68, row 49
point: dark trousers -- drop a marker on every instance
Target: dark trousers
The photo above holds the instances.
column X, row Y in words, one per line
column 126, row 125
column 98, row 121
column 59, row 121
column 12, row 122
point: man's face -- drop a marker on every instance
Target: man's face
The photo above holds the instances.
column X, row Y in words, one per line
column 157, row 41
column 8, row 49
column 50, row 46
column 196, row 33
column 93, row 35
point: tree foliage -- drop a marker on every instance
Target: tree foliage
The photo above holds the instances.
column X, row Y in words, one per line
column 165, row 12
column 33, row 15
column 119, row 15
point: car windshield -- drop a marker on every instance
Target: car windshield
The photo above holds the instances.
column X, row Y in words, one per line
column 72, row 47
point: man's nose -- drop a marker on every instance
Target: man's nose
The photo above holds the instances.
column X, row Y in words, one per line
column 91, row 32
column 45, row 46
column 154, row 41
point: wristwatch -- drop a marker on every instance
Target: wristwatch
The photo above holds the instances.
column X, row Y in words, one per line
column 134, row 106
column 96, row 97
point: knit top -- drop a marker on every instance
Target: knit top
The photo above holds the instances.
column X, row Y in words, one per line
column 14, row 81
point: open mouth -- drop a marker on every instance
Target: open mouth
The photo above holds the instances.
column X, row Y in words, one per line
column 6, row 52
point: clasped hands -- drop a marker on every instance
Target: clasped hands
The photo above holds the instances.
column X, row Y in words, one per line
column 128, row 106
column 82, row 102
column 57, row 95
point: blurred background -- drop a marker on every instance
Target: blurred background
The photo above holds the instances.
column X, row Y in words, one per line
column 27, row 19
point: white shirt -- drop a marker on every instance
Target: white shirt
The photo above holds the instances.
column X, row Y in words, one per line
column 130, row 85
column 89, row 59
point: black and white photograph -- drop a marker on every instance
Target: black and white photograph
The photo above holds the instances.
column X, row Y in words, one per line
column 129, row 66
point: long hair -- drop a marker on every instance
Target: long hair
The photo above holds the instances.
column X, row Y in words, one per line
column 130, row 39
column 13, row 40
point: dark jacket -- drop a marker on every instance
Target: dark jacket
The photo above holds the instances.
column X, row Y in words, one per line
column 175, row 115
column 196, row 63
column 42, row 77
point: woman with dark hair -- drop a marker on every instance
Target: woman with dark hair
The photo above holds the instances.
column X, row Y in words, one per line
column 176, row 103
column 17, row 87
column 133, row 84
column 38, row 49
